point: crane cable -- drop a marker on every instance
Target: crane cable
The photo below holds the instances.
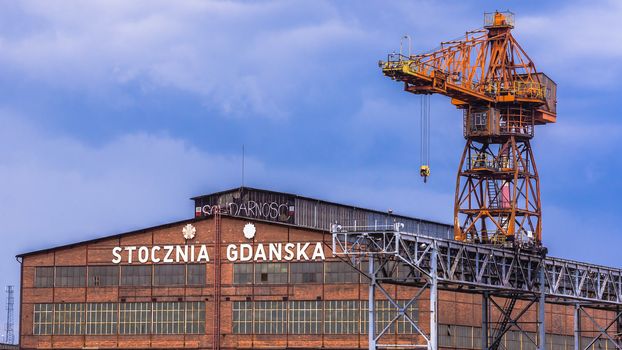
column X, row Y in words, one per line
column 424, row 168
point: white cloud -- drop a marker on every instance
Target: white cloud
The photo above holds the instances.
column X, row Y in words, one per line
column 238, row 56
column 57, row 189
column 580, row 42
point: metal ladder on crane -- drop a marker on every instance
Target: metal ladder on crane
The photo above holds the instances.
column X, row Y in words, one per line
column 493, row 194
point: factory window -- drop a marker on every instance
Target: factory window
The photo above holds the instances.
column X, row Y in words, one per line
column 404, row 326
column 69, row 319
column 307, row 272
column 124, row 318
column 43, row 319
column 305, row 317
column 242, row 317
column 243, row 273
column 270, row 317
column 44, row 276
column 445, row 338
column 169, row 275
column 272, row 273
column 196, row 275
column 70, row 276
column 139, row 275
column 101, row 318
column 168, row 317
column 386, row 312
column 195, row 317
column 101, row 276
column 134, row 318
column 341, row 317
column 341, row 272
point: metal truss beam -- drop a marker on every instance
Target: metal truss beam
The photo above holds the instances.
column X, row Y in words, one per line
column 408, row 259
column 473, row 267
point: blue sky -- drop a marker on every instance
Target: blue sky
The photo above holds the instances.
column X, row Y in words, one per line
column 114, row 113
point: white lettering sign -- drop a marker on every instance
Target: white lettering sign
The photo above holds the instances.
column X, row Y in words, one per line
column 268, row 211
column 199, row 253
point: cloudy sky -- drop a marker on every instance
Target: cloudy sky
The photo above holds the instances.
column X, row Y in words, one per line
column 114, row 113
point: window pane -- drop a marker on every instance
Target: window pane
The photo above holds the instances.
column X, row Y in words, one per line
column 136, row 275
column 100, row 276
column 101, row 318
column 168, row 317
column 196, row 275
column 135, row 318
column 242, row 317
column 195, row 317
column 341, row 316
column 70, row 276
column 306, row 272
column 43, row 319
column 44, row 276
column 341, row 272
column 270, row 317
column 271, row 273
column 169, row 275
column 243, row 273
column 305, row 317
column 69, row 319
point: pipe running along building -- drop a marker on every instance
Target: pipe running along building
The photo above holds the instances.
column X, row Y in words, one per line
column 253, row 269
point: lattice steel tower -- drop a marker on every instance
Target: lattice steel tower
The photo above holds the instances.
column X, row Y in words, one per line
column 490, row 77
column 9, row 336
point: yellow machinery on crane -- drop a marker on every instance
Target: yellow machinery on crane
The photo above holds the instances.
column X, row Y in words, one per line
column 492, row 80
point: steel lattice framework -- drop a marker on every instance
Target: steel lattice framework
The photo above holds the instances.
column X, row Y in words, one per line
column 396, row 257
column 492, row 79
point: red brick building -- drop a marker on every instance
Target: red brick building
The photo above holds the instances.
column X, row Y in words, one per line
column 265, row 266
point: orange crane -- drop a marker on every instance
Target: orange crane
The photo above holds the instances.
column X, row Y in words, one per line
column 492, row 80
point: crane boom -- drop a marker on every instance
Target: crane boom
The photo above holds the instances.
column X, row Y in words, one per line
column 491, row 78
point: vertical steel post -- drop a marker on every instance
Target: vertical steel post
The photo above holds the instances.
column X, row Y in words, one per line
column 541, row 313
column 577, row 327
column 619, row 327
column 485, row 321
column 433, row 344
column 371, row 307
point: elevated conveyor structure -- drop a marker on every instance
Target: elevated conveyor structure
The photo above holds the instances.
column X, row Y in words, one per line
column 429, row 264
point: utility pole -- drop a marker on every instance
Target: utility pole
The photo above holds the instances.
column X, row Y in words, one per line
column 9, row 337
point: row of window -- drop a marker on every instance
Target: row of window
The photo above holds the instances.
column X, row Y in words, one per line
column 316, row 317
column 126, row 275
column 466, row 337
column 305, row 272
column 193, row 274
column 124, row 318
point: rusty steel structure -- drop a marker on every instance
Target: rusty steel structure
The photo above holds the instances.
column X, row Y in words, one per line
column 494, row 82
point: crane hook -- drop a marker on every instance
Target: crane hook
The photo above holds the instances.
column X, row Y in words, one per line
column 424, row 171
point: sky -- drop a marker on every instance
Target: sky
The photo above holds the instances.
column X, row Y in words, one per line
column 114, row 113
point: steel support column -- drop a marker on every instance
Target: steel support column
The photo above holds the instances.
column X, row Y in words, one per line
column 371, row 307
column 485, row 321
column 577, row 326
column 542, row 313
column 433, row 343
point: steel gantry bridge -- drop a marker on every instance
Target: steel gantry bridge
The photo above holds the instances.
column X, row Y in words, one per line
column 394, row 257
